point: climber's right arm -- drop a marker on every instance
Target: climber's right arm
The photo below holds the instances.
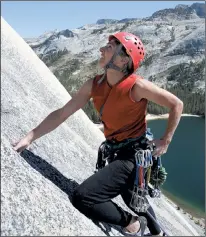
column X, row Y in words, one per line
column 54, row 119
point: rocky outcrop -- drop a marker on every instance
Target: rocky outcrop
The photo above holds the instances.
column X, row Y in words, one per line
column 106, row 21
column 199, row 8
column 180, row 12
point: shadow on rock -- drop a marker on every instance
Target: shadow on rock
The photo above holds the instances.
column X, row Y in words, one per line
column 103, row 226
column 48, row 171
column 107, row 228
column 66, row 185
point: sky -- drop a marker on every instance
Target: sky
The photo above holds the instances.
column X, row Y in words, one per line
column 33, row 18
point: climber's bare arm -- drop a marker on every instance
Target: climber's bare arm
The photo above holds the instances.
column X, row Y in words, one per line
column 58, row 116
column 151, row 92
column 54, row 119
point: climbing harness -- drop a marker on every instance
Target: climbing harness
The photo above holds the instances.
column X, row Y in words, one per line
column 108, row 150
column 150, row 174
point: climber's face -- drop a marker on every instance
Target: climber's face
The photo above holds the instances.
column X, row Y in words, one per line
column 107, row 52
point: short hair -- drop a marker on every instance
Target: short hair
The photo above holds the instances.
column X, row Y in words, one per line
column 123, row 53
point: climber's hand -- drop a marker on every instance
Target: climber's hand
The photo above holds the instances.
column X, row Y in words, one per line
column 161, row 147
column 22, row 144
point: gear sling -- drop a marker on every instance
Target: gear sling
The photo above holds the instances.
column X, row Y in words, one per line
column 109, row 150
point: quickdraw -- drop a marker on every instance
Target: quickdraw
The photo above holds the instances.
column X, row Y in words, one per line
column 143, row 167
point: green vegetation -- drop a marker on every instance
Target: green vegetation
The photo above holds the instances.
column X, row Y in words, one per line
column 194, row 103
column 98, row 31
column 148, row 60
column 125, row 26
column 91, row 112
column 182, row 80
column 53, row 57
column 70, row 83
column 191, row 48
column 188, row 72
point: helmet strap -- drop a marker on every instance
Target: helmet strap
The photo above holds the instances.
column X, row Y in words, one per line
column 110, row 64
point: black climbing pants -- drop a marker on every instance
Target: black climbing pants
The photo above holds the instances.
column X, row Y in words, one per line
column 93, row 196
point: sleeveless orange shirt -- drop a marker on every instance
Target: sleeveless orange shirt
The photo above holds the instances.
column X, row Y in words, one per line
column 122, row 117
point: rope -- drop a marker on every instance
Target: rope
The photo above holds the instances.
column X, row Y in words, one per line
column 161, row 227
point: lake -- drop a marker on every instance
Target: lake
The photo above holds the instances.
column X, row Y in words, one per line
column 185, row 163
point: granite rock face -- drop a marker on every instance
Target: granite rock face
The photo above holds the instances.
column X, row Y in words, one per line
column 37, row 185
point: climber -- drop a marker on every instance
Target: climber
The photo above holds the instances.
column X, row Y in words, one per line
column 121, row 98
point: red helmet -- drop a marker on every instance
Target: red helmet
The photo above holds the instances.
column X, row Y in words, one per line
column 134, row 46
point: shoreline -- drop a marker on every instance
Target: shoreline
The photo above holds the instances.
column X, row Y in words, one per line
column 196, row 220
column 180, row 205
column 159, row 116
column 194, row 216
column 165, row 116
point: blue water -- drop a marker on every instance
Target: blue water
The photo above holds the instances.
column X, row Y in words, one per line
column 185, row 163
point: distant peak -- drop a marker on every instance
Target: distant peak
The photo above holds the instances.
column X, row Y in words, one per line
column 183, row 6
column 106, row 21
column 180, row 12
column 66, row 33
